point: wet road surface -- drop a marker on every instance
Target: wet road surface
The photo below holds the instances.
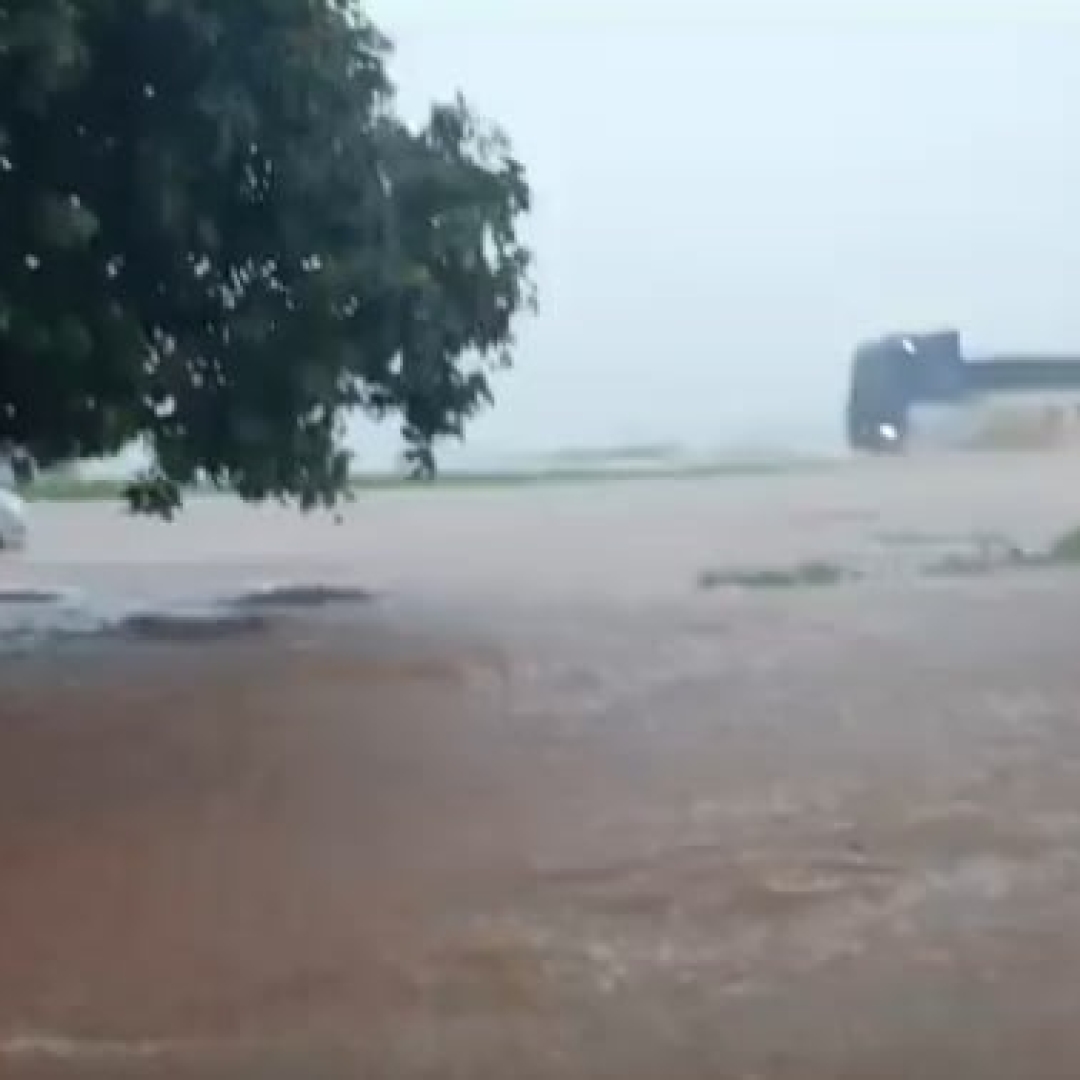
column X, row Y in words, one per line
column 588, row 821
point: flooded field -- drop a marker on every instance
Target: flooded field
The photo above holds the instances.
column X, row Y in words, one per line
column 544, row 806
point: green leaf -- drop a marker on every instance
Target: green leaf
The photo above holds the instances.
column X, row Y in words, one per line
column 219, row 239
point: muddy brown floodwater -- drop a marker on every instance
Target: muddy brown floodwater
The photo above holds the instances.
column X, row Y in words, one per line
column 544, row 808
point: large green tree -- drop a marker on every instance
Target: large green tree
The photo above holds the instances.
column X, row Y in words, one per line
column 218, row 237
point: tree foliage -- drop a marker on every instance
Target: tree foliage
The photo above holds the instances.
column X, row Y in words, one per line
column 218, row 237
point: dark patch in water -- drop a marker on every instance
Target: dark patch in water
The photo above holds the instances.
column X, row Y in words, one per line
column 27, row 597
column 810, row 574
column 30, row 617
column 303, row 597
column 191, row 627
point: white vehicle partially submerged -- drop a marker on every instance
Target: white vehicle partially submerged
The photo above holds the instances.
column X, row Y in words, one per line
column 12, row 507
column 12, row 521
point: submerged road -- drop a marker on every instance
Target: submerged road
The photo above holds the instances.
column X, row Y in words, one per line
column 547, row 808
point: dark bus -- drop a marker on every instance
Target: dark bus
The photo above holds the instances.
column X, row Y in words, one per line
column 894, row 375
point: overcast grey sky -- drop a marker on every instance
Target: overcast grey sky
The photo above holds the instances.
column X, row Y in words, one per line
column 730, row 193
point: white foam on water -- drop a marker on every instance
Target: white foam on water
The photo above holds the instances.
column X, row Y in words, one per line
column 55, row 1047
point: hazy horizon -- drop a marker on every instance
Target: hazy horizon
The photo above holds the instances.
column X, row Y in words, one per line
column 730, row 194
